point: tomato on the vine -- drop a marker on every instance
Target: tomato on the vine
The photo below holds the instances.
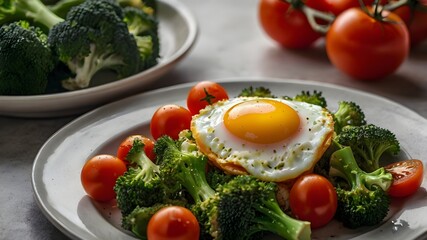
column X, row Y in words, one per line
column 336, row 7
column 313, row 198
column 126, row 145
column 286, row 25
column 407, row 177
column 99, row 175
column 203, row 94
column 170, row 120
column 173, row 223
column 367, row 47
column 416, row 21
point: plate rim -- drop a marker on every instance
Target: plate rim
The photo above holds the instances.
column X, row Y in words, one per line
column 147, row 75
column 233, row 80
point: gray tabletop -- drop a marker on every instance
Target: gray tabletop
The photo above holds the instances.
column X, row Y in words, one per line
column 231, row 44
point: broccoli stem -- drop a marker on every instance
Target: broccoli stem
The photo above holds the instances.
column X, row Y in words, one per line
column 137, row 156
column 276, row 221
column 193, row 177
column 37, row 11
column 91, row 65
column 343, row 164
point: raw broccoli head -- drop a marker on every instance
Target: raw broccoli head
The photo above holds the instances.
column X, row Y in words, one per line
column 181, row 167
column 92, row 38
column 369, row 143
column 256, row 92
column 144, row 28
column 348, row 114
column 315, row 98
column 244, row 208
column 26, row 59
column 362, row 197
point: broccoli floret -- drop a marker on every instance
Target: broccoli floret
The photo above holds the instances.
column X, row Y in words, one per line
column 179, row 166
column 26, row 59
column 315, row 98
column 256, row 92
column 369, row 143
column 94, row 37
column 33, row 11
column 245, row 207
column 348, row 114
column 144, row 28
column 362, row 199
column 141, row 184
column 217, row 177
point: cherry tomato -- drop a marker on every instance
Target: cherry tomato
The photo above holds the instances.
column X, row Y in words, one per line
column 366, row 48
column 99, row 175
column 407, row 177
column 416, row 21
column 336, row 7
column 286, row 25
column 203, row 94
column 313, row 198
column 170, row 120
column 126, row 145
column 173, row 223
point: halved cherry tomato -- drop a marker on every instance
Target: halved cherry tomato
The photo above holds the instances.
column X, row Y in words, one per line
column 173, row 223
column 286, row 25
column 99, row 175
column 170, row 120
column 313, row 198
column 366, row 48
column 203, row 94
column 407, row 177
column 126, row 145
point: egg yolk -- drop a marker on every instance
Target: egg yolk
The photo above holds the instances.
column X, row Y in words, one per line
column 262, row 121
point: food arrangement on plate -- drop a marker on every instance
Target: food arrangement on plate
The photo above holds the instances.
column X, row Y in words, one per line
column 250, row 166
column 63, row 46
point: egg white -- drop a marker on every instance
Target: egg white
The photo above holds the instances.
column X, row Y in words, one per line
column 276, row 162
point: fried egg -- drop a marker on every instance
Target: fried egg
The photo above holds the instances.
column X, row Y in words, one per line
column 270, row 138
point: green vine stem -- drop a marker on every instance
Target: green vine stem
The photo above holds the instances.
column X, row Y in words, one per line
column 313, row 15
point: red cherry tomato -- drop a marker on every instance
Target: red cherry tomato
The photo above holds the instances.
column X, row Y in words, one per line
column 366, row 48
column 336, row 7
column 170, row 120
column 126, row 145
column 313, row 198
column 416, row 21
column 99, row 175
column 407, row 177
column 285, row 25
column 173, row 223
column 203, row 94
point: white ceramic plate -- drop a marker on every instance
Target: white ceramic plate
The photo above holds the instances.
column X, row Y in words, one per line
column 56, row 170
column 177, row 32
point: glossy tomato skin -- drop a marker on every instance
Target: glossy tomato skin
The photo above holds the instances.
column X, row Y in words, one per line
column 365, row 48
column 126, row 145
column 336, row 7
column 99, row 175
column 407, row 177
column 416, row 21
column 170, row 120
column 203, row 94
column 289, row 27
column 173, row 223
column 313, row 198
